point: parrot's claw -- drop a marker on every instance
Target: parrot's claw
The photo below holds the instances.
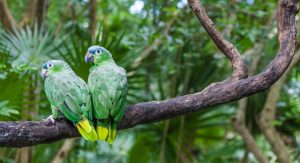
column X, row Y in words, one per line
column 50, row 118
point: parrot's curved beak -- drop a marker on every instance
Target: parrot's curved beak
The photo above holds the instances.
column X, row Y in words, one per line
column 88, row 58
column 44, row 73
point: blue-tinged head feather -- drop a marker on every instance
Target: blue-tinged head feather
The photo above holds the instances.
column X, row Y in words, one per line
column 93, row 49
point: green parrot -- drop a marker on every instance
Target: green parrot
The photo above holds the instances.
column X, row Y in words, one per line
column 69, row 95
column 108, row 85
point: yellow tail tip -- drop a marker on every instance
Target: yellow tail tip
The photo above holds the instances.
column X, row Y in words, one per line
column 85, row 124
column 110, row 141
column 86, row 130
column 112, row 136
column 102, row 133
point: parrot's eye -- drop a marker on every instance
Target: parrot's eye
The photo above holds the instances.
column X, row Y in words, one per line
column 50, row 65
column 98, row 51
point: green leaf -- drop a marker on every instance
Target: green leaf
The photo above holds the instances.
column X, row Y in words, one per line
column 6, row 110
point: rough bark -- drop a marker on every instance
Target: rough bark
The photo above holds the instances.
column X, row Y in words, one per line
column 267, row 116
column 27, row 133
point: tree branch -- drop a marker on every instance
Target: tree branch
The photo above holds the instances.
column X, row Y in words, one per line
column 238, row 64
column 26, row 133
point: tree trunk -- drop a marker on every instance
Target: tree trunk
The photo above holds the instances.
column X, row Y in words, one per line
column 41, row 12
column 29, row 14
column 6, row 18
column 24, row 155
column 63, row 152
column 93, row 18
column 239, row 125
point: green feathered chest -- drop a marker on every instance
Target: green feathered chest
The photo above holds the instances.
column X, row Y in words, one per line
column 109, row 77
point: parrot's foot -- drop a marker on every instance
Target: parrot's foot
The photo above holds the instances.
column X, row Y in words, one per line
column 50, row 118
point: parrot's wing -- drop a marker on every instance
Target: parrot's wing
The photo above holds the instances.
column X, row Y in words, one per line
column 66, row 93
column 70, row 95
column 120, row 96
column 85, row 100
column 78, row 101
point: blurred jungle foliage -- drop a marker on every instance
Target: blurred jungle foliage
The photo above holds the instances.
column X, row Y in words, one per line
column 166, row 53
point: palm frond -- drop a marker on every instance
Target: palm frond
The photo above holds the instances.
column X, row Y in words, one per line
column 6, row 110
column 29, row 47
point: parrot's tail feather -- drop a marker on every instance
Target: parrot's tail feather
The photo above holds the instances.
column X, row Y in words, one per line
column 86, row 130
column 102, row 132
column 82, row 132
column 102, row 129
column 112, row 133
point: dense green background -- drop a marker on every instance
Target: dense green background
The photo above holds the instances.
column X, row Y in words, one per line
column 182, row 60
